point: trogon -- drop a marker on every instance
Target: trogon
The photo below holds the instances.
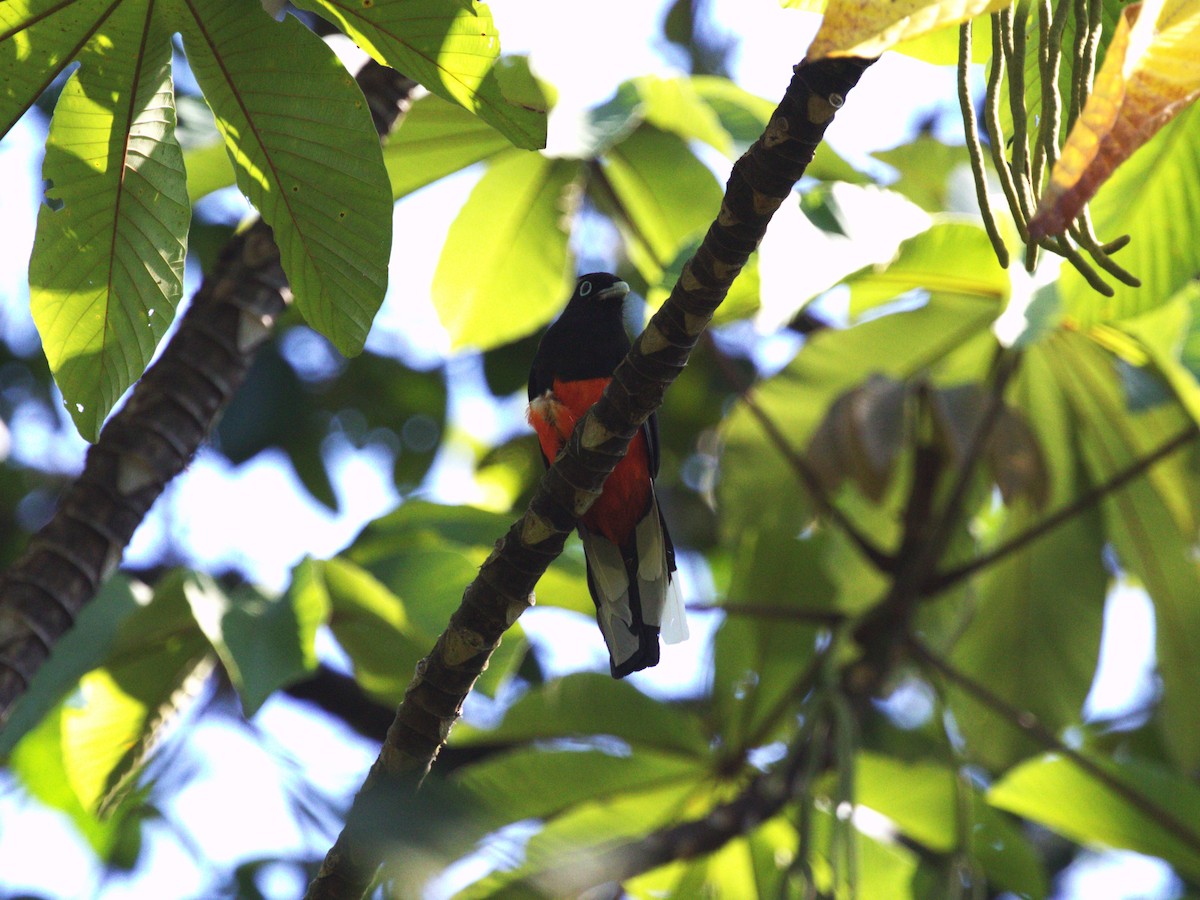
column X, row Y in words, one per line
column 630, row 559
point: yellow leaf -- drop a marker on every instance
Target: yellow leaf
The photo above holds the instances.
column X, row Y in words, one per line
column 1151, row 72
column 868, row 27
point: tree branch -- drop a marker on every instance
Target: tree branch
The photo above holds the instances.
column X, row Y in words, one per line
column 882, row 561
column 760, row 181
column 946, row 580
column 154, row 436
column 1029, row 724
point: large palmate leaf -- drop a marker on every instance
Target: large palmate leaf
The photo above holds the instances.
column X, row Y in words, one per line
column 452, row 48
column 1151, row 522
column 107, row 266
column 1059, row 794
column 1154, row 198
column 1034, row 635
column 305, row 153
column 38, row 39
column 505, row 268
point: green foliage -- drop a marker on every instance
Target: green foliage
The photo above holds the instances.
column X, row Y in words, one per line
column 908, row 531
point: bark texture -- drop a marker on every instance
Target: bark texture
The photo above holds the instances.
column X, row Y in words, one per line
column 153, row 437
column 760, row 181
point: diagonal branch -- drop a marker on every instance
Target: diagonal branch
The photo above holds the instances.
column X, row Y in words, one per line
column 760, row 181
column 1028, row 723
column 948, row 579
column 155, row 434
column 882, row 560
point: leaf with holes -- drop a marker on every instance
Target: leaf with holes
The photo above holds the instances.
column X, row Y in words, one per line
column 106, row 271
column 305, row 153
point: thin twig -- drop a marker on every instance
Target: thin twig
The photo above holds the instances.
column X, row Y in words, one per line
column 1029, row 724
column 808, row 478
column 948, row 579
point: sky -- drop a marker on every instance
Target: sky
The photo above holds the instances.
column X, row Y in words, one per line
column 584, row 49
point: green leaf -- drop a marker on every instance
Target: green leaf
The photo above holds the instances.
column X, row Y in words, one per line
column 39, row 765
column 437, row 139
column 1056, row 793
column 264, row 642
column 102, row 733
column 505, row 268
column 512, row 784
column 301, row 140
column 949, row 335
column 576, row 834
column 208, row 170
column 1160, row 184
column 38, row 39
column 452, row 48
column 77, row 652
column 925, row 165
column 922, row 798
column 585, row 705
column 1151, row 522
column 951, row 257
column 107, row 266
column 1034, row 633
column 369, row 621
column 663, row 196
column 673, row 105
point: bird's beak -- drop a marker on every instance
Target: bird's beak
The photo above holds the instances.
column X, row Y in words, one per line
column 616, row 291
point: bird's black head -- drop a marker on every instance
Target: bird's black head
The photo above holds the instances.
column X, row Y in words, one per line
column 600, row 287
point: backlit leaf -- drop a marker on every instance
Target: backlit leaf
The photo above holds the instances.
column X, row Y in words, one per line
column 452, row 48
column 301, row 140
column 107, row 266
column 865, row 28
column 505, row 268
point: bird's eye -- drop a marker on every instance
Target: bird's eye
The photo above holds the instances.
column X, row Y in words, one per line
column 585, row 288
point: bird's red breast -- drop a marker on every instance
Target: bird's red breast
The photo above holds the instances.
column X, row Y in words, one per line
column 626, row 493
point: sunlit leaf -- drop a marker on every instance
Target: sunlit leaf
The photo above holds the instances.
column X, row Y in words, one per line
column 952, row 257
column 301, row 140
column 505, row 268
column 1056, row 793
column 1151, row 522
column 1159, row 184
column 437, row 139
column 513, row 784
column 453, row 49
column 1151, row 72
column 107, row 266
column 855, row 28
column 663, row 196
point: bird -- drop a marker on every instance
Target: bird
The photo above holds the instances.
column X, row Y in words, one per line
column 630, row 558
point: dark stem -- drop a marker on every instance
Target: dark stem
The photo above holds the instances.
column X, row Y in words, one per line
column 1029, row 724
column 759, row 183
column 153, row 437
column 948, row 579
column 804, row 473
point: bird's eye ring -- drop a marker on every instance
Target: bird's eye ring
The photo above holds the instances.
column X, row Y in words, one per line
column 585, row 288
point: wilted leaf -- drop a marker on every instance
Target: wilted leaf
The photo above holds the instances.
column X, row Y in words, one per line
column 1150, row 73
column 865, row 28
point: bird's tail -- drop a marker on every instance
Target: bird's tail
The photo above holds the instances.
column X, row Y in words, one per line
column 635, row 593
